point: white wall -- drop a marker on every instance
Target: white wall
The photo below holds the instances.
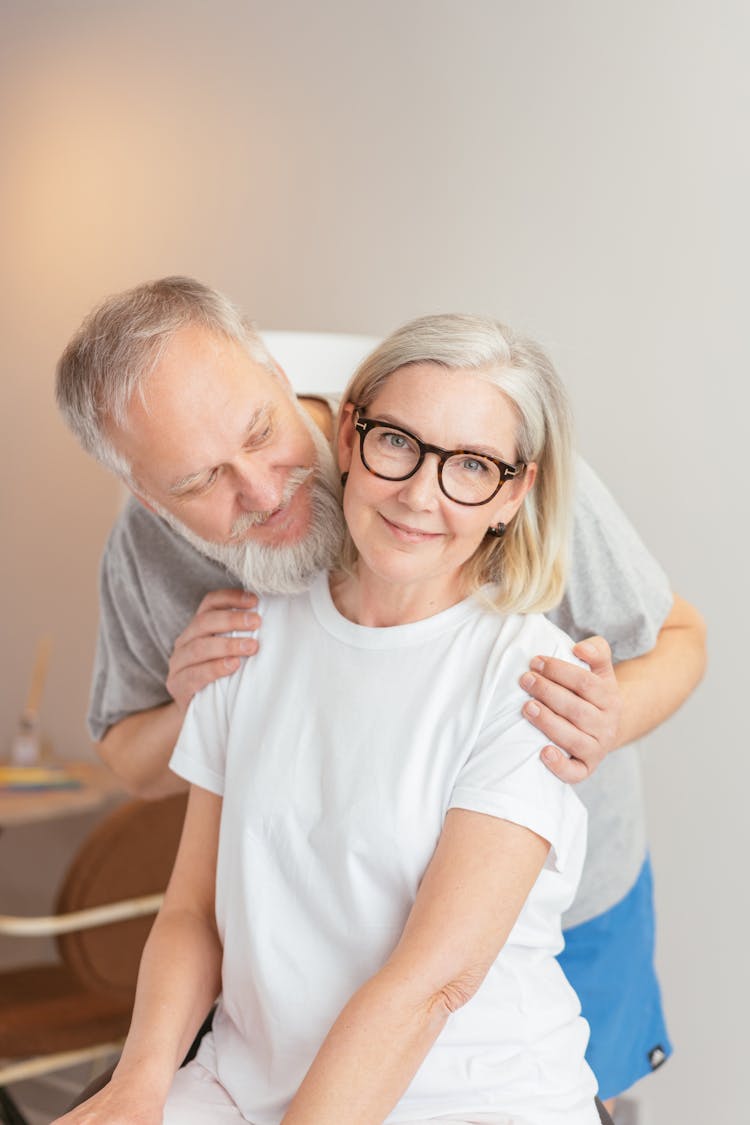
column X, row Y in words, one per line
column 578, row 168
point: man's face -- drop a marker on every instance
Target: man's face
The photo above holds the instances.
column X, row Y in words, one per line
column 220, row 448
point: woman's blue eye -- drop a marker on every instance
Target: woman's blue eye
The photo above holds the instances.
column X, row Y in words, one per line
column 395, row 441
column 471, row 465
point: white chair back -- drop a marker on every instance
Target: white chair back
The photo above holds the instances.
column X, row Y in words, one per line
column 318, row 362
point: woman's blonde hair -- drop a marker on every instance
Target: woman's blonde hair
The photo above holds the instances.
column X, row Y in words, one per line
column 528, row 564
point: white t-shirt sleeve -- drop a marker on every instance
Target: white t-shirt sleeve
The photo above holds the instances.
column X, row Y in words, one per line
column 201, row 750
column 505, row 777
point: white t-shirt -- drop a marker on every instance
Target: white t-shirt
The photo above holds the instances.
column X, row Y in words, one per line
column 338, row 750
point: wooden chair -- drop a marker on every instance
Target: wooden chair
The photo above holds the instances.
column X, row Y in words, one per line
column 78, row 1008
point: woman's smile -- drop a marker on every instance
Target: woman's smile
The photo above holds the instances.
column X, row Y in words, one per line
column 408, row 534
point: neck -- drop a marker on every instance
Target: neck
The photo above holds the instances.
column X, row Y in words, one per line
column 367, row 599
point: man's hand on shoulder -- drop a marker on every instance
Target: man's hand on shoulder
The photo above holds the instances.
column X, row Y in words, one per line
column 203, row 653
column 578, row 709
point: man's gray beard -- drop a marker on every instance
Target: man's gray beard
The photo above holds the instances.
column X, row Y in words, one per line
column 289, row 568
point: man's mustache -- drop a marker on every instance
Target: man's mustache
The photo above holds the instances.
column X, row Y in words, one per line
column 240, row 526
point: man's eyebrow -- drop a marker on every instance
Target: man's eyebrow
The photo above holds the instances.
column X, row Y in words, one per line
column 471, row 447
column 184, row 484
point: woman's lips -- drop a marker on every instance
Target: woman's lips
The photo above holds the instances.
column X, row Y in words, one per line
column 409, row 534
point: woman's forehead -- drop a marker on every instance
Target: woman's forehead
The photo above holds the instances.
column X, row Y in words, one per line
column 452, row 408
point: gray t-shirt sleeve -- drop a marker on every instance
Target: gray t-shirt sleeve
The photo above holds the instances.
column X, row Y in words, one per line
column 130, row 671
column 616, row 587
column 151, row 583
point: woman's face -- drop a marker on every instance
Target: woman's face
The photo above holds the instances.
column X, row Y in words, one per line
column 409, row 531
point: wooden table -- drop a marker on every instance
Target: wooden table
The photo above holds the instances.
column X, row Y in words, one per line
column 98, row 787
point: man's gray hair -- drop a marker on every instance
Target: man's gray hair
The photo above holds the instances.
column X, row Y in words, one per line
column 119, row 344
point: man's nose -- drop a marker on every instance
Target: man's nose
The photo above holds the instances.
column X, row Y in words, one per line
column 260, row 487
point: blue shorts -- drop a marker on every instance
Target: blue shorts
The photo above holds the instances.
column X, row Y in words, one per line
column 610, row 963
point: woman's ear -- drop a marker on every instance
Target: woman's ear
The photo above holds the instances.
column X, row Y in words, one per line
column 511, row 495
column 346, row 436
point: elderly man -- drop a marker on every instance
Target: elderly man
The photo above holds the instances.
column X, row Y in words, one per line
column 233, row 483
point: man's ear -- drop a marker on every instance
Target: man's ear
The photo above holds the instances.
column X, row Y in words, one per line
column 346, row 437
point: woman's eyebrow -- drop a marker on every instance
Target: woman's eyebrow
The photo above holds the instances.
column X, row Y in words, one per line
column 471, row 447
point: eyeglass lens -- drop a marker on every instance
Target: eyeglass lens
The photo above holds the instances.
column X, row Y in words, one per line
column 467, row 478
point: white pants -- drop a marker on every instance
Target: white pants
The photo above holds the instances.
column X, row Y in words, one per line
column 197, row 1098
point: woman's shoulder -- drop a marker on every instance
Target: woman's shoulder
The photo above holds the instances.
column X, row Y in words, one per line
column 528, row 631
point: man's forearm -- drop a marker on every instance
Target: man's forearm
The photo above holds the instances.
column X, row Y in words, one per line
column 139, row 747
column 653, row 686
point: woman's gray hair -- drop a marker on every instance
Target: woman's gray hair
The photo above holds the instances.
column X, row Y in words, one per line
column 529, row 564
column 119, row 344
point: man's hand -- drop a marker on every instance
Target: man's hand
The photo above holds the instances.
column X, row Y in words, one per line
column 202, row 653
column 578, row 709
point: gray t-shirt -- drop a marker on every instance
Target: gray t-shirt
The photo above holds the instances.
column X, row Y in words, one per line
column 152, row 582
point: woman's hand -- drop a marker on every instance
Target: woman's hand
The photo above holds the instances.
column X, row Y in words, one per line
column 117, row 1103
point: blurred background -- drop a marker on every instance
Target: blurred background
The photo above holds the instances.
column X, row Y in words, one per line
column 579, row 168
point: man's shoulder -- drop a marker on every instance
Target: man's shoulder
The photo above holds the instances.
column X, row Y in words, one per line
column 137, row 524
column 142, row 543
column 590, row 494
column 615, row 585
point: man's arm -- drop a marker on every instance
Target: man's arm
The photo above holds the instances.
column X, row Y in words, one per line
column 138, row 747
column 592, row 712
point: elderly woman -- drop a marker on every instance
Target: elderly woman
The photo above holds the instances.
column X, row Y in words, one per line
column 375, row 861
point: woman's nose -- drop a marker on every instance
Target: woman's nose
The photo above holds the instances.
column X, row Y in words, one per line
column 422, row 490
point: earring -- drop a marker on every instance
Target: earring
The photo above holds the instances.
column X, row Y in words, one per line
column 498, row 531
column 344, row 479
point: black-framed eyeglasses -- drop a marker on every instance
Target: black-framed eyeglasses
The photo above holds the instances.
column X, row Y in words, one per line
column 466, row 477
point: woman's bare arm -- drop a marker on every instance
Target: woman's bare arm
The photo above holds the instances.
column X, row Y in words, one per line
column 472, row 892
column 178, row 981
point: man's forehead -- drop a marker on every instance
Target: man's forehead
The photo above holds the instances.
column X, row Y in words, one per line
column 178, row 430
column 195, row 351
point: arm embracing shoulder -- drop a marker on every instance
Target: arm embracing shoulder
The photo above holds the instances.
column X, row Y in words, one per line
column 654, row 685
column 617, row 593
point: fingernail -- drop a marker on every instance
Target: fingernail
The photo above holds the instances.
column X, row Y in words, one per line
column 247, row 644
column 586, row 649
column 527, row 681
column 537, row 664
column 251, row 619
column 549, row 754
column 531, row 709
column 231, row 663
